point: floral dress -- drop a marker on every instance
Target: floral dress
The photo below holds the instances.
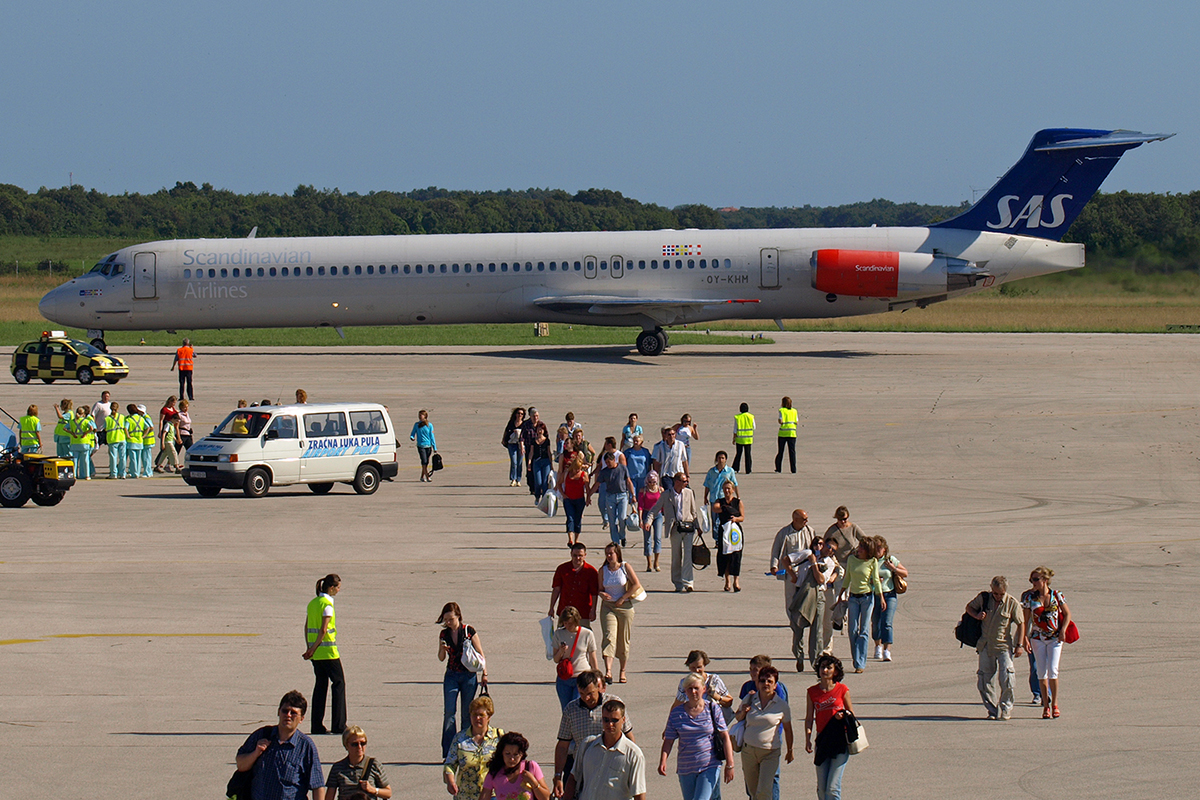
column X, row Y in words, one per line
column 1044, row 619
column 468, row 760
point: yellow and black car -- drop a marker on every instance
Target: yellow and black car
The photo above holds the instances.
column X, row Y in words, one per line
column 55, row 356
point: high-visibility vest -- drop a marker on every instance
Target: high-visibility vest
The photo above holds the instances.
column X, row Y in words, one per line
column 114, row 427
column 148, row 439
column 745, row 428
column 327, row 649
column 61, row 431
column 185, row 356
column 80, row 431
column 133, row 430
column 30, row 425
column 787, row 423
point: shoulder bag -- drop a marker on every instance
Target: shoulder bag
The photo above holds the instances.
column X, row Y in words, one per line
column 566, row 669
column 718, row 740
column 900, row 584
column 701, row 555
column 859, row 743
column 471, row 659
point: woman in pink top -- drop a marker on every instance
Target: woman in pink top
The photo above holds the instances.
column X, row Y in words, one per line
column 511, row 776
column 652, row 524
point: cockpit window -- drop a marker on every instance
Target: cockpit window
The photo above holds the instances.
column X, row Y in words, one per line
column 242, row 424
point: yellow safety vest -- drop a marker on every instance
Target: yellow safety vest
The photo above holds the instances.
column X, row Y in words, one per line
column 745, row 428
column 787, row 423
column 60, row 429
column 148, row 439
column 30, row 425
column 133, row 429
column 80, row 431
column 327, row 649
column 114, row 428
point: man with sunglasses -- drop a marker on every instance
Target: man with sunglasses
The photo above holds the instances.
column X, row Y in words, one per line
column 610, row 766
column 680, row 512
column 283, row 759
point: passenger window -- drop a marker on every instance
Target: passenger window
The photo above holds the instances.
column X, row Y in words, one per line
column 541, row 266
column 442, row 269
column 187, row 273
column 504, row 267
column 212, row 273
column 678, row 263
column 332, row 423
column 603, row 265
column 320, row 270
column 235, row 272
column 367, row 422
column 224, row 273
column 284, row 427
column 691, row 263
column 454, row 268
column 491, row 267
column 261, row 272
column 395, row 269
column 728, row 264
column 285, row 271
column 466, row 268
column 553, row 266
column 578, row 266
column 641, row 264
column 308, row 270
column 654, row 263
column 420, row 270
column 406, row 269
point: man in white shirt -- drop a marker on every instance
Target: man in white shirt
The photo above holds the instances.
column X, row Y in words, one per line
column 790, row 539
column 669, row 457
column 100, row 412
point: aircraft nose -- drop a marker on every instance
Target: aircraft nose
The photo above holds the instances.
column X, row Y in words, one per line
column 49, row 304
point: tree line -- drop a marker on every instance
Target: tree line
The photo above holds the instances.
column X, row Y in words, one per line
column 1150, row 232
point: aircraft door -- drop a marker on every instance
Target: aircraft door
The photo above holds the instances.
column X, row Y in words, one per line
column 618, row 266
column 770, row 268
column 144, row 285
column 589, row 267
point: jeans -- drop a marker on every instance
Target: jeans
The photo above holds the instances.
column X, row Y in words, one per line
column 881, row 621
column 133, row 460
column 699, row 785
column 541, row 476
column 1035, row 686
column 574, row 511
column 996, row 665
column 567, row 690
column 860, row 619
column 617, row 508
column 458, row 688
column 514, row 461
column 829, row 777
column 652, row 539
column 147, row 455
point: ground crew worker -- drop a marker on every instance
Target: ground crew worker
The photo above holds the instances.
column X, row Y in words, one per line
column 133, row 442
column 320, row 633
column 83, row 438
column 743, row 437
column 148, row 442
column 62, row 437
column 31, row 431
column 788, row 417
column 184, row 358
column 115, row 433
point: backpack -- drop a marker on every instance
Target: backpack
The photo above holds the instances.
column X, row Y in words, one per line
column 969, row 630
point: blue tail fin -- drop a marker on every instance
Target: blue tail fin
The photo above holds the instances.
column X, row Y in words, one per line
column 1047, row 189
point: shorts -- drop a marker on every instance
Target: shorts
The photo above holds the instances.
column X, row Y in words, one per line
column 425, row 453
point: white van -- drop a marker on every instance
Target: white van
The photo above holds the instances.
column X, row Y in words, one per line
column 255, row 448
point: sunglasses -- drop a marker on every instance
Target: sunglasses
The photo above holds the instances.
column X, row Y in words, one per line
column 356, row 744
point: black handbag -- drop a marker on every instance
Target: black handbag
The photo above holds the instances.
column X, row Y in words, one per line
column 436, row 464
column 701, row 555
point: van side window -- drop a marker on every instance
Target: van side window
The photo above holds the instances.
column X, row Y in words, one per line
column 284, row 427
column 332, row 423
column 367, row 422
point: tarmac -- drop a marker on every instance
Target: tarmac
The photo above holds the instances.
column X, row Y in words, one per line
column 147, row 631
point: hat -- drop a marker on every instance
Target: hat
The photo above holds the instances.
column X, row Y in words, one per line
column 141, row 408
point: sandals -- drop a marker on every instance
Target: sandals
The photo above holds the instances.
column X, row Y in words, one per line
column 622, row 679
column 1055, row 713
column 1046, row 712
column 608, row 678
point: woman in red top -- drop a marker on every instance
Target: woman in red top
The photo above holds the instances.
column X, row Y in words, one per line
column 574, row 491
column 827, row 700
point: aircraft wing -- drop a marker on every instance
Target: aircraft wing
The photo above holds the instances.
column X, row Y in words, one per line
column 666, row 311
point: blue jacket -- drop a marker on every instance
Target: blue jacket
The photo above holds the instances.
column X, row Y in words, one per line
column 423, row 435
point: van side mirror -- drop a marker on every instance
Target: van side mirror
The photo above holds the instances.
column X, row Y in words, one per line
column 272, row 434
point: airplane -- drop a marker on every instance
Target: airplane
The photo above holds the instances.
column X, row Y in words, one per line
column 645, row 279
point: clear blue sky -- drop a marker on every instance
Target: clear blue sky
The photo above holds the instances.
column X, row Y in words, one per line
column 748, row 103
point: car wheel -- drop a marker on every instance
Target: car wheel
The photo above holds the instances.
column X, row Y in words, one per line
column 320, row 488
column 48, row 498
column 208, row 491
column 367, row 479
column 258, row 482
column 111, row 380
column 15, row 488
column 21, row 374
column 85, row 375
column 48, row 380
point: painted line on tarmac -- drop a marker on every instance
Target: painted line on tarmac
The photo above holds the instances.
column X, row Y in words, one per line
column 121, row 636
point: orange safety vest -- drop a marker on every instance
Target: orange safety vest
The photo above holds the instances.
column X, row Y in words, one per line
column 185, row 356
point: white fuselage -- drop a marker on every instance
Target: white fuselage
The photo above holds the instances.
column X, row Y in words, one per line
column 603, row 278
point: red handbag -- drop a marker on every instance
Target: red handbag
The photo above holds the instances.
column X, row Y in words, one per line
column 566, row 669
column 1071, row 634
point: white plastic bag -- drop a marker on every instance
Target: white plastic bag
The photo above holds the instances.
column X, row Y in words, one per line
column 547, row 624
column 703, row 520
column 549, row 503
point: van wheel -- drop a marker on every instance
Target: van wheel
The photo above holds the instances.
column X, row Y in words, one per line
column 320, row 488
column 21, row 374
column 85, row 375
column 258, row 482
column 367, row 479
column 208, row 491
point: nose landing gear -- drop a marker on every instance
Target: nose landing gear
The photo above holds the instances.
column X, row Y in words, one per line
column 98, row 340
column 652, row 343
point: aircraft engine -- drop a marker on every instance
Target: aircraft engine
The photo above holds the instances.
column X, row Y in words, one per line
column 878, row 273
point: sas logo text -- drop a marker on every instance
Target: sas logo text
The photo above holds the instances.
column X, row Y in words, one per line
column 1031, row 214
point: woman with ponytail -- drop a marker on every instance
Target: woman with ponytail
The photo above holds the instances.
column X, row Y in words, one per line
column 320, row 633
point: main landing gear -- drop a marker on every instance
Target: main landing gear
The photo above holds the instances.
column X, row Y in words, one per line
column 652, row 343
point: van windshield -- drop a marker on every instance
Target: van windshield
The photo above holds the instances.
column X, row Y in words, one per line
column 243, row 424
